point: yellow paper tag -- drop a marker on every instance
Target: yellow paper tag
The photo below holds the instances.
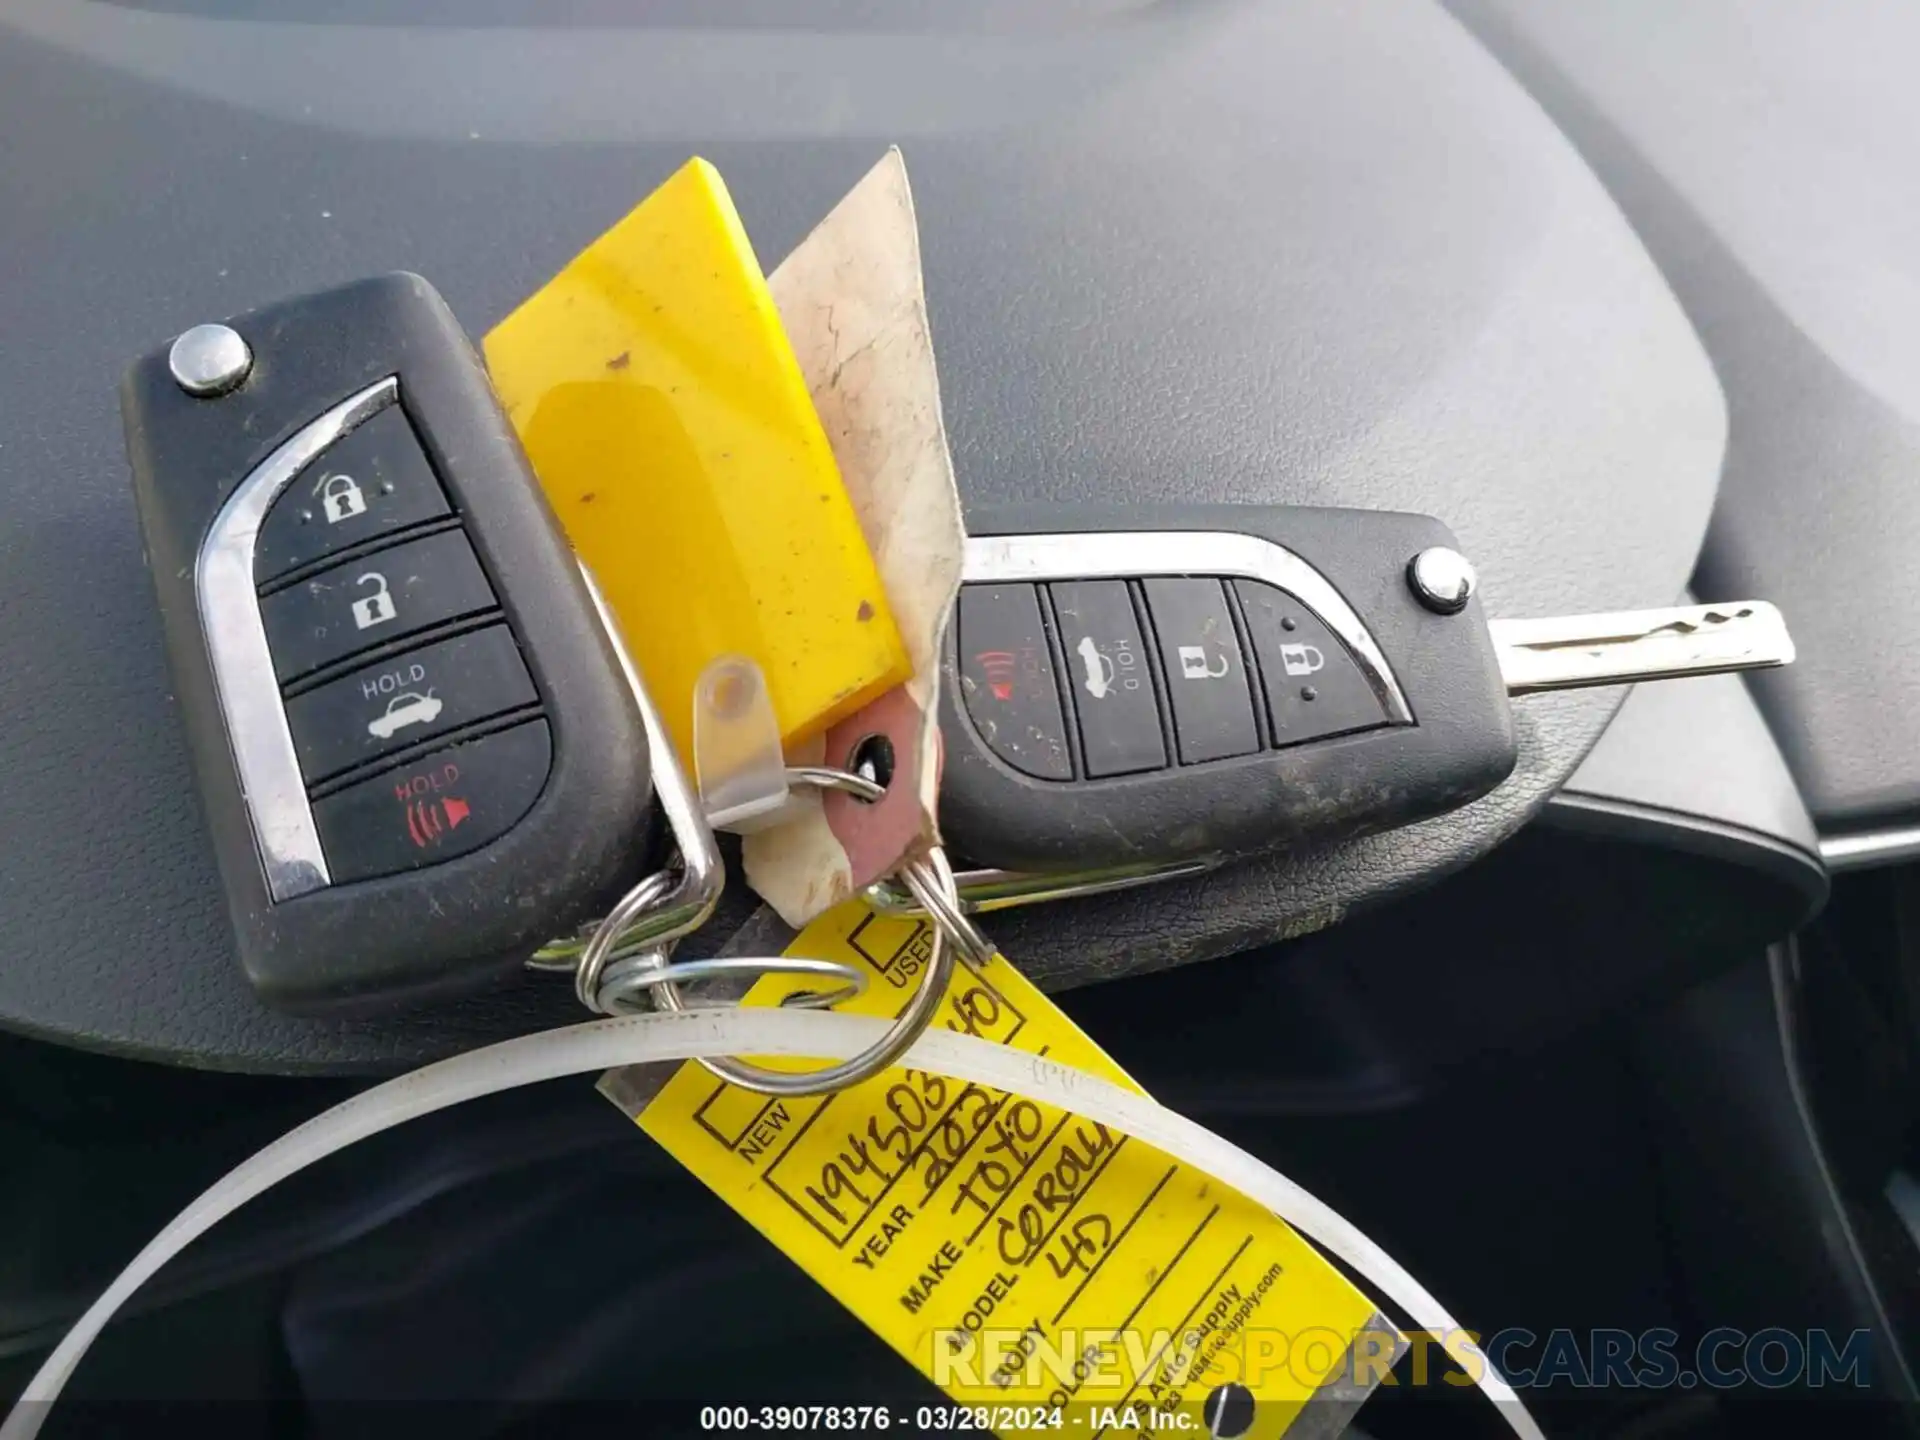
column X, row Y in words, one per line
column 663, row 410
column 1051, row 1272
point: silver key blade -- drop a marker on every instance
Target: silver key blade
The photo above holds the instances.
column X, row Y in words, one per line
column 1566, row 652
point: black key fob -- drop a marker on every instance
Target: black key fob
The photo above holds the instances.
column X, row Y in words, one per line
column 419, row 757
column 1157, row 684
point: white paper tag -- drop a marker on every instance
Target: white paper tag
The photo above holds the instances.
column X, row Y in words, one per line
column 854, row 308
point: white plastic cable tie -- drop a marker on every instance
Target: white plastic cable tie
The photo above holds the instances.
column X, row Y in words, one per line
column 734, row 1030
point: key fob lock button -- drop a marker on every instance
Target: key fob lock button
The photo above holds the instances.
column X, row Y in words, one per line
column 1312, row 686
column 373, row 481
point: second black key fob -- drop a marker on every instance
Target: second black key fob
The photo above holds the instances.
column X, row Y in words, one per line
column 1158, row 684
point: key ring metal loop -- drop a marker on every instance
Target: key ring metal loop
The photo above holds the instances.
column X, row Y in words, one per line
column 938, row 894
column 940, row 899
column 625, row 957
column 931, row 876
column 609, row 932
column 626, row 954
column 896, row 1042
column 612, row 974
column 825, row 777
column 626, row 983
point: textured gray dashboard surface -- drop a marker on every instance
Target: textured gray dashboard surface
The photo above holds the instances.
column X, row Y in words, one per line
column 1324, row 252
column 1698, row 750
column 1769, row 153
column 1692, row 767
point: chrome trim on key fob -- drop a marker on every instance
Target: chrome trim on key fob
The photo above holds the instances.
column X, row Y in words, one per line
column 275, row 793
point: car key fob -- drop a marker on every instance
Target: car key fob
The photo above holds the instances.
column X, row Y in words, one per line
column 1154, row 684
column 419, row 756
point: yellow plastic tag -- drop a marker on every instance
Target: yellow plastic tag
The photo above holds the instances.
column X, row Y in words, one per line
column 671, row 428
column 1041, row 1269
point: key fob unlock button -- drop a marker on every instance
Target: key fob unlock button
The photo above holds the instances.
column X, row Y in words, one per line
column 366, row 602
column 1206, row 674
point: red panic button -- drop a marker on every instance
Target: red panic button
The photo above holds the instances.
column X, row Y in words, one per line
column 432, row 808
column 1007, row 682
column 443, row 805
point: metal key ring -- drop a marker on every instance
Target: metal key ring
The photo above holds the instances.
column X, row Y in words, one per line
column 626, row 983
column 825, row 777
column 615, row 965
column 941, row 899
column 611, row 931
column 931, row 876
column 626, row 954
column 896, row 1042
